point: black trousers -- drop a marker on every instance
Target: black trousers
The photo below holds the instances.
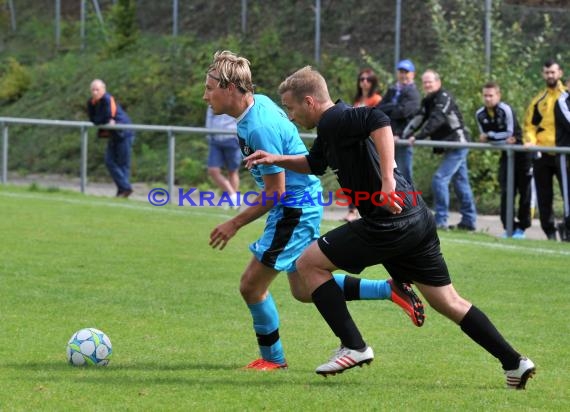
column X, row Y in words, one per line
column 544, row 170
column 522, row 187
column 563, row 163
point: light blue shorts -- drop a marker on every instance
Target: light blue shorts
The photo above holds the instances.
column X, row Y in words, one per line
column 288, row 232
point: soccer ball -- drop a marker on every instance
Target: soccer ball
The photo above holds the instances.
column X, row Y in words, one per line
column 89, row 346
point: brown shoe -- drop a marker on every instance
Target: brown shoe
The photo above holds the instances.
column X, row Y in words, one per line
column 125, row 193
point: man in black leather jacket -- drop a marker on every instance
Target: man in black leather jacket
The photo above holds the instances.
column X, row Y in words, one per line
column 440, row 119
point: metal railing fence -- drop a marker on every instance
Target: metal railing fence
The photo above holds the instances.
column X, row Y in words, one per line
column 171, row 130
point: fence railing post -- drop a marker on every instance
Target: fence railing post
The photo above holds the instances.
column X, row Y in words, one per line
column 84, row 141
column 509, row 215
column 4, row 153
column 171, row 157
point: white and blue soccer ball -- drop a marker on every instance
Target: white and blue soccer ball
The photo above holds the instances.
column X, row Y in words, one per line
column 89, row 346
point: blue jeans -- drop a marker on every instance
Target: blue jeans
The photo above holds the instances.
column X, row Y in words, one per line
column 453, row 168
column 404, row 160
column 118, row 160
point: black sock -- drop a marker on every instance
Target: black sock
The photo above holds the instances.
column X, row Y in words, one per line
column 329, row 300
column 478, row 327
column 351, row 288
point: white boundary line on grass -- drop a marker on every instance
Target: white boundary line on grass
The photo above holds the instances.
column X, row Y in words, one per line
column 509, row 247
column 196, row 211
column 142, row 206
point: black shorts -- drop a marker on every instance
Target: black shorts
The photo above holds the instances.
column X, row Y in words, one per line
column 407, row 246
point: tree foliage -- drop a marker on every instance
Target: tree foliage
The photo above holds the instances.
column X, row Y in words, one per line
column 124, row 30
column 14, row 82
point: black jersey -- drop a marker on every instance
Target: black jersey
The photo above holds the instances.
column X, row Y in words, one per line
column 343, row 143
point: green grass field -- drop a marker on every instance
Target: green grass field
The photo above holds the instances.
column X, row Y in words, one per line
column 180, row 331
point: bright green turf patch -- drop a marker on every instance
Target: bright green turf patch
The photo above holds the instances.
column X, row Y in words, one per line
column 180, row 331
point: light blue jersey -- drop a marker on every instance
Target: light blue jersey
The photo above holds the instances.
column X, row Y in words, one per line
column 264, row 126
column 294, row 223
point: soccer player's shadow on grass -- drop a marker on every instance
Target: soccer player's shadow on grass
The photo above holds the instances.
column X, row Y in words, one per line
column 119, row 365
column 118, row 373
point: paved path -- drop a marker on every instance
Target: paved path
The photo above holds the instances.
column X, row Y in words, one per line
column 490, row 224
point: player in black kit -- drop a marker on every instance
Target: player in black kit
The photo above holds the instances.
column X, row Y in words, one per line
column 396, row 230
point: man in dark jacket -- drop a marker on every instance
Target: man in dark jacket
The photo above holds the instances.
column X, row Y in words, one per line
column 440, row 119
column 562, row 121
column 498, row 125
column 103, row 109
column 400, row 103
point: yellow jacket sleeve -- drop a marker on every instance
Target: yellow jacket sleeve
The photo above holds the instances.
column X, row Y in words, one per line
column 529, row 129
column 539, row 123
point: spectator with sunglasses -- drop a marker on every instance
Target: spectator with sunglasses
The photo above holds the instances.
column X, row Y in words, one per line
column 367, row 89
column 368, row 94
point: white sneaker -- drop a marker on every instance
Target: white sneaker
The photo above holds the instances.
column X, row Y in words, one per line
column 345, row 358
column 516, row 378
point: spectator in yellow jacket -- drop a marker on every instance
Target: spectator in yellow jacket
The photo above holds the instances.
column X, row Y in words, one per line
column 540, row 130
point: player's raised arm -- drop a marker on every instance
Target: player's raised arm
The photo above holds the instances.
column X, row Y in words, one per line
column 297, row 163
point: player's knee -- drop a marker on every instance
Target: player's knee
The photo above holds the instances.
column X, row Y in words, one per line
column 453, row 308
column 213, row 172
column 248, row 290
column 302, row 296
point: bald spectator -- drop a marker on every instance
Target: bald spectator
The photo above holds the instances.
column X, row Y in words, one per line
column 104, row 110
column 440, row 119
